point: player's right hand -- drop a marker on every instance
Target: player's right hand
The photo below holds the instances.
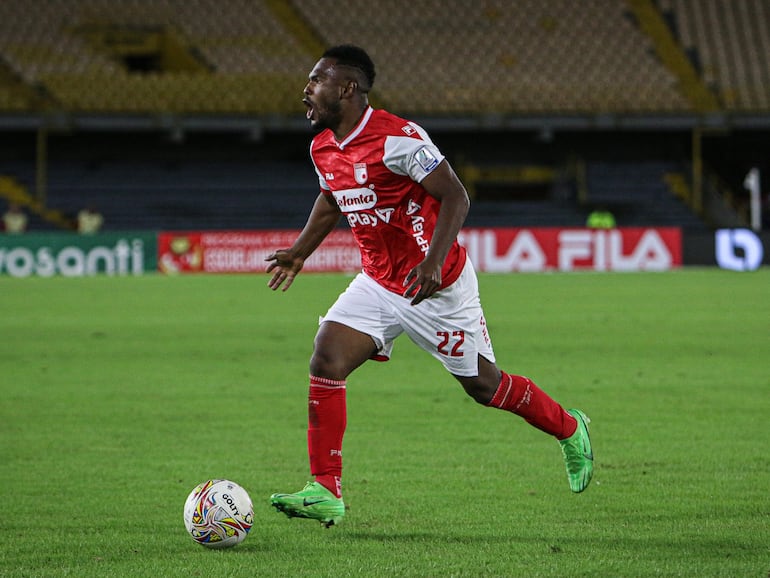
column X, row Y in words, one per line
column 422, row 281
column 284, row 266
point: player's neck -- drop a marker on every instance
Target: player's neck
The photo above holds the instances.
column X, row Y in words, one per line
column 350, row 121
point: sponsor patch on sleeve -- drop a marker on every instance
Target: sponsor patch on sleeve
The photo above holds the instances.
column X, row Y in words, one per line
column 426, row 159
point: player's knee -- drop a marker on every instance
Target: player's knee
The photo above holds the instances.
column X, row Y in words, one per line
column 322, row 365
column 482, row 387
column 478, row 389
column 328, row 366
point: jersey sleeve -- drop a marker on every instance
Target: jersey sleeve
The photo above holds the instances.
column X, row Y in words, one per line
column 412, row 156
column 322, row 184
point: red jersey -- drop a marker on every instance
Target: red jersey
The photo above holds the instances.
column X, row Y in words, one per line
column 374, row 175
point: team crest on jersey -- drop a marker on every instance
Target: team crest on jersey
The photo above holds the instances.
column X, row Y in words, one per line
column 361, row 173
column 408, row 129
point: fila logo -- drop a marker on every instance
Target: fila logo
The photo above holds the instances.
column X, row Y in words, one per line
column 329, row 176
column 412, row 208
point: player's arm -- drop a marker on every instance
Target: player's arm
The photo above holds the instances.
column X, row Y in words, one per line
column 286, row 263
column 443, row 184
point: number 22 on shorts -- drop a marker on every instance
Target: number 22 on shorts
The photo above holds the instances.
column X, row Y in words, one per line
column 451, row 343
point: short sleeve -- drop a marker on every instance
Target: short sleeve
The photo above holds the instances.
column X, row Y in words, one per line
column 321, row 181
column 415, row 156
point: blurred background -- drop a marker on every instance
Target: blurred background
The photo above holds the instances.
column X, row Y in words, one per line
column 187, row 114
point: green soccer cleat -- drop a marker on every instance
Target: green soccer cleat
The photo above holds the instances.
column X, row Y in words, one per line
column 314, row 501
column 578, row 455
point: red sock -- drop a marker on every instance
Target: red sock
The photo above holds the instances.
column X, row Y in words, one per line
column 519, row 395
column 327, row 418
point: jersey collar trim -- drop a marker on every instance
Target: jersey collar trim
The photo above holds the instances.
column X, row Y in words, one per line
column 356, row 131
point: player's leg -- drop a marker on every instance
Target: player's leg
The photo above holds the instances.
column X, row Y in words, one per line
column 451, row 327
column 521, row 396
column 353, row 330
column 518, row 394
column 338, row 351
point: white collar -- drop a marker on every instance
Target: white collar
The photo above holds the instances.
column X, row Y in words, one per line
column 356, row 131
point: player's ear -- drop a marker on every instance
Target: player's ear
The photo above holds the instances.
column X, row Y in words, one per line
column 350, row 88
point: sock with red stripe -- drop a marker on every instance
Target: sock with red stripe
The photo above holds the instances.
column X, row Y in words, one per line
column 519, row 395
column 327, row 419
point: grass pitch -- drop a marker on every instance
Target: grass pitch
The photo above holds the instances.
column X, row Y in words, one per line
column 118, row 396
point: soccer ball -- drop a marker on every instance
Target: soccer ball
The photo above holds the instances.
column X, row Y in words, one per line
column 218, row 514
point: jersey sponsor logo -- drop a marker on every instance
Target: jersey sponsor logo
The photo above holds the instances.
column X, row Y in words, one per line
column 418, row 232
column 412, row 208
column 426, row 159
column 356, row 219
column 384, row 214
column 360, row 173
column 352, row 200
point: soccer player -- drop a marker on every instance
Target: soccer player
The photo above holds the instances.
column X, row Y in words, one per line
column 405, row 207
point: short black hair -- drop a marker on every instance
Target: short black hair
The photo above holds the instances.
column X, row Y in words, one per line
column 356, row 57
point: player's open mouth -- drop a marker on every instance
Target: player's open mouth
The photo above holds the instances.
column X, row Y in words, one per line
column 309, row 105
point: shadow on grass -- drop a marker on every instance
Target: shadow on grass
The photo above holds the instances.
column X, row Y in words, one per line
column 706, row 546
column 442, row 536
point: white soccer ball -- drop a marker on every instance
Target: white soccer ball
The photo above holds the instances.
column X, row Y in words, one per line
column 218, row 514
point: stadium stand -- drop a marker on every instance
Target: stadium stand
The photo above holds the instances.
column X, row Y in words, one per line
column 544, row 56
column 436, row 57
column 640, row 193
column 730, row 42
column 84, row 54
column 231, row 185
column 172, row 187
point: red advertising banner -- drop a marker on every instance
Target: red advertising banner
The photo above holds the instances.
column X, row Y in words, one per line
column 245, row 251
column 491, row 250
column 554, row 249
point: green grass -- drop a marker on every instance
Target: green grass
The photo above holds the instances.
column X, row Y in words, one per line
column 118, row 396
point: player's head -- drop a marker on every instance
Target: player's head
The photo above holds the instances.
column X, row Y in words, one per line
column 338, row 86
column 356, row 58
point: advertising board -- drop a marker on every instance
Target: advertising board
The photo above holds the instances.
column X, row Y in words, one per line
column 73, row 255
column 498, row 250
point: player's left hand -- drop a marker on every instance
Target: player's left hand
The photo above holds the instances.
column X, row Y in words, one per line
column 422, row 282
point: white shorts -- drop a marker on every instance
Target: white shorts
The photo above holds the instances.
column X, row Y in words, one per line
column 449, row 325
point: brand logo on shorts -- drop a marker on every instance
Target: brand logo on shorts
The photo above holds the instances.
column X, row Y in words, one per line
column 352, row 200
